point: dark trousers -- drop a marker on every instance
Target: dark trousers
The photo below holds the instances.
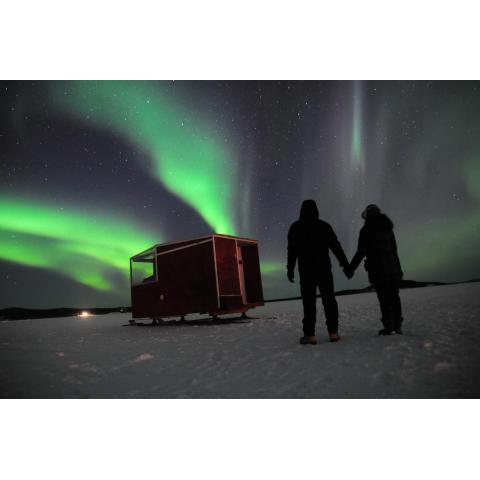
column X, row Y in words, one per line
column 390, row 304
column 308, row 287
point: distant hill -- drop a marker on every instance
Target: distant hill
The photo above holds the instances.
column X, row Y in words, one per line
column 16, row 313
column 403, row 284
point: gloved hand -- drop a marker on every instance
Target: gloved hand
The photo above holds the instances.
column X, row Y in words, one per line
column 347, row 270
column 290, row 276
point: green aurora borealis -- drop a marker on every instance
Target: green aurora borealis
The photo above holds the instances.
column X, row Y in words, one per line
column 183, row 157
column 356, row 150
column 83, row 246
column 88, row 248
column 92, row 173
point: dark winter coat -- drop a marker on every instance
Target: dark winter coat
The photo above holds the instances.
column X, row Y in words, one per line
column 309, row 241
column 377, row 243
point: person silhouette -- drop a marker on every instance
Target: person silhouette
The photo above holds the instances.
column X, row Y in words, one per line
column 377, row 243
column 309, row 241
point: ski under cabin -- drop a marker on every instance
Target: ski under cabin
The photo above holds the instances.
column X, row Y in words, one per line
column 215, row 274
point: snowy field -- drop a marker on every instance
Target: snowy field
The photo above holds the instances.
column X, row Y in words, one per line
column 98, row 357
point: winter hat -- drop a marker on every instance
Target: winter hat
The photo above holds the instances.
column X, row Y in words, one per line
column 371, row 209
column 309, row 210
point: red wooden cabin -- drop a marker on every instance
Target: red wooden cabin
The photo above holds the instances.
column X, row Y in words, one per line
column 215, row 274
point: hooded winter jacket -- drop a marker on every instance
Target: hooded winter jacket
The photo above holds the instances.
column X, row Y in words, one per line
column 377, row 243
column 309, row 241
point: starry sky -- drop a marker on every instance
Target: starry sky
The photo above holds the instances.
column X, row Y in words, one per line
column 94, row 172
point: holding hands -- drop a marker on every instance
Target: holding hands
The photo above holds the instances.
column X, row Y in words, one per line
column 348, row 271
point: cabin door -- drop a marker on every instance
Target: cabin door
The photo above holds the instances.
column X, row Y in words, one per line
column 241, row 274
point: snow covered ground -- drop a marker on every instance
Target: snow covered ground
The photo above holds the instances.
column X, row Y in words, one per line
column 438, row 355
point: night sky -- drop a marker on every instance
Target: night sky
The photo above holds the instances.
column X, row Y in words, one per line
column 94, row 172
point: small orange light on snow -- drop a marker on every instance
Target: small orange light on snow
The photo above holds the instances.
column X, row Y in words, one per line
column 84, row 314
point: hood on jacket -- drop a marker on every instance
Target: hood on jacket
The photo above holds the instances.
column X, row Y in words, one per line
column 378, row 222
column 309, row 211
column 371, row 209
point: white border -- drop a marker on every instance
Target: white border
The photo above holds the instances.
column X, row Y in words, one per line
column 235, row 439
column 211, row 439
column 213, row 39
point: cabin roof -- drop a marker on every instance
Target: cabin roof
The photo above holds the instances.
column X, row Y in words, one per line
column 204, row 237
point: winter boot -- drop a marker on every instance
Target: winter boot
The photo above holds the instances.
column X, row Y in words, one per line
column 385, row 331
column 388, row 325
column 334, row 336
column 310, row 339
column 398, row 325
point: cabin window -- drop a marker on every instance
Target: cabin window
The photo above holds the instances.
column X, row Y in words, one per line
column 143, row 268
